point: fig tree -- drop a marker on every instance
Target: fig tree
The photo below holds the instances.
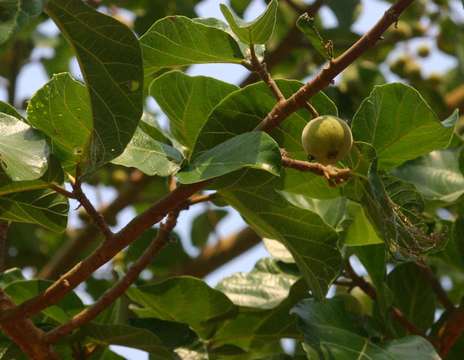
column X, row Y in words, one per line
column 327, row 139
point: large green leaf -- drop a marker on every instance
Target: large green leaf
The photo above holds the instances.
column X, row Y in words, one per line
column 346, row 12
column 16, row 13
column 400, row 125
column 250, row 150
column 437, row 175
column 413, row 295
column 331, row 331
column 23, row 150
column 42, row 207
column 111, row 62
column 129, row 336
column 266, row 286
column 312, row 243
column 260, row 331
column 278, row 250
column 178, row 41
column 61, row 109
column 257, row 31
column 23, row 290
column 171, row 299
column 53, row 175
column 188, row 101
column 149, row 152
column 360, row 232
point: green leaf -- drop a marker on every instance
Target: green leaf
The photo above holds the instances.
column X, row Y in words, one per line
column 437, row 176
column 178, row 41
column 205, row 224
column 240, row 6
column 23, row 150
column 23, row 290
column 332, row 332
column 9, row 276
column 188, row 101
column 400, row 125
column 250, row 150
column 307, row 26
column 42, row 207
column 53, row 175
column 15, row 14
column 413, row 295
column 111, row 62
column 260, row 331
column 257, row 31
column 265, row 287
column 129, row 336
column 148, row 152
column 10, row 110
column 312, row 243
column 346, row 12
column 167, row 300
column 61, row 110
column 360, row 232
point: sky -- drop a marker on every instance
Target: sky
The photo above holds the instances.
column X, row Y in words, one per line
column 33, row 77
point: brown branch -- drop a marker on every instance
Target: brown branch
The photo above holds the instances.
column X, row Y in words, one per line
column 334, row 176
column 282, row 110
column 198, row 199
column 3, row 244
column 104, row 253
column 96, row 217
column 451, row 331
column 261, row 70
column 122, row 285
column 214, row 256
column 62, row 191
column 66, row 255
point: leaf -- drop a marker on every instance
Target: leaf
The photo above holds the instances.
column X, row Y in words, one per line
column 307, row 26
column 240, row 6
column 23, row 290
column 42, row 207
column 61, row 110
column 169, row 299
column 15, row 14
column 9, row 276
column 9, row 110
column 413, row 295
column 437, row 176
column 150, row 155
column 178, row 41
column 346, row 12
column 111, row 62
column 360, row 232
column 265, row 287
column 23, row 150
column 204, row 224
column 312, row 243
column 53, row 175
column 400, row 125
column 278, row 250
column 260, row 331
column 332, row 332
column 188, row 101
column 124, row 335
column 257, row 31
column 250, row 150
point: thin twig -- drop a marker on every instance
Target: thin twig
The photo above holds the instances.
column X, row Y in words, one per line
column 334, row 175
column 282, row 110
column 3, row 244
column 62, row 191
column 261, row 70
column 91, row 211
column 161, row 239
column 198, row 199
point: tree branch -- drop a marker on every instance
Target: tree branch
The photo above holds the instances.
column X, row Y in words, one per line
column 282, row 110
column 334, row 176
column 442, row 296
column 120, row 288
column 451, row 331
column 3, row 244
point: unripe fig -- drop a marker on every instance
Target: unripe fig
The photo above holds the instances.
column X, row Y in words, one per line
column 327, row 139
column 423, row 51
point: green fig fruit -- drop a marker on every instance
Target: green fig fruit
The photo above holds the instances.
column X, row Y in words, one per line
column 327, row 139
